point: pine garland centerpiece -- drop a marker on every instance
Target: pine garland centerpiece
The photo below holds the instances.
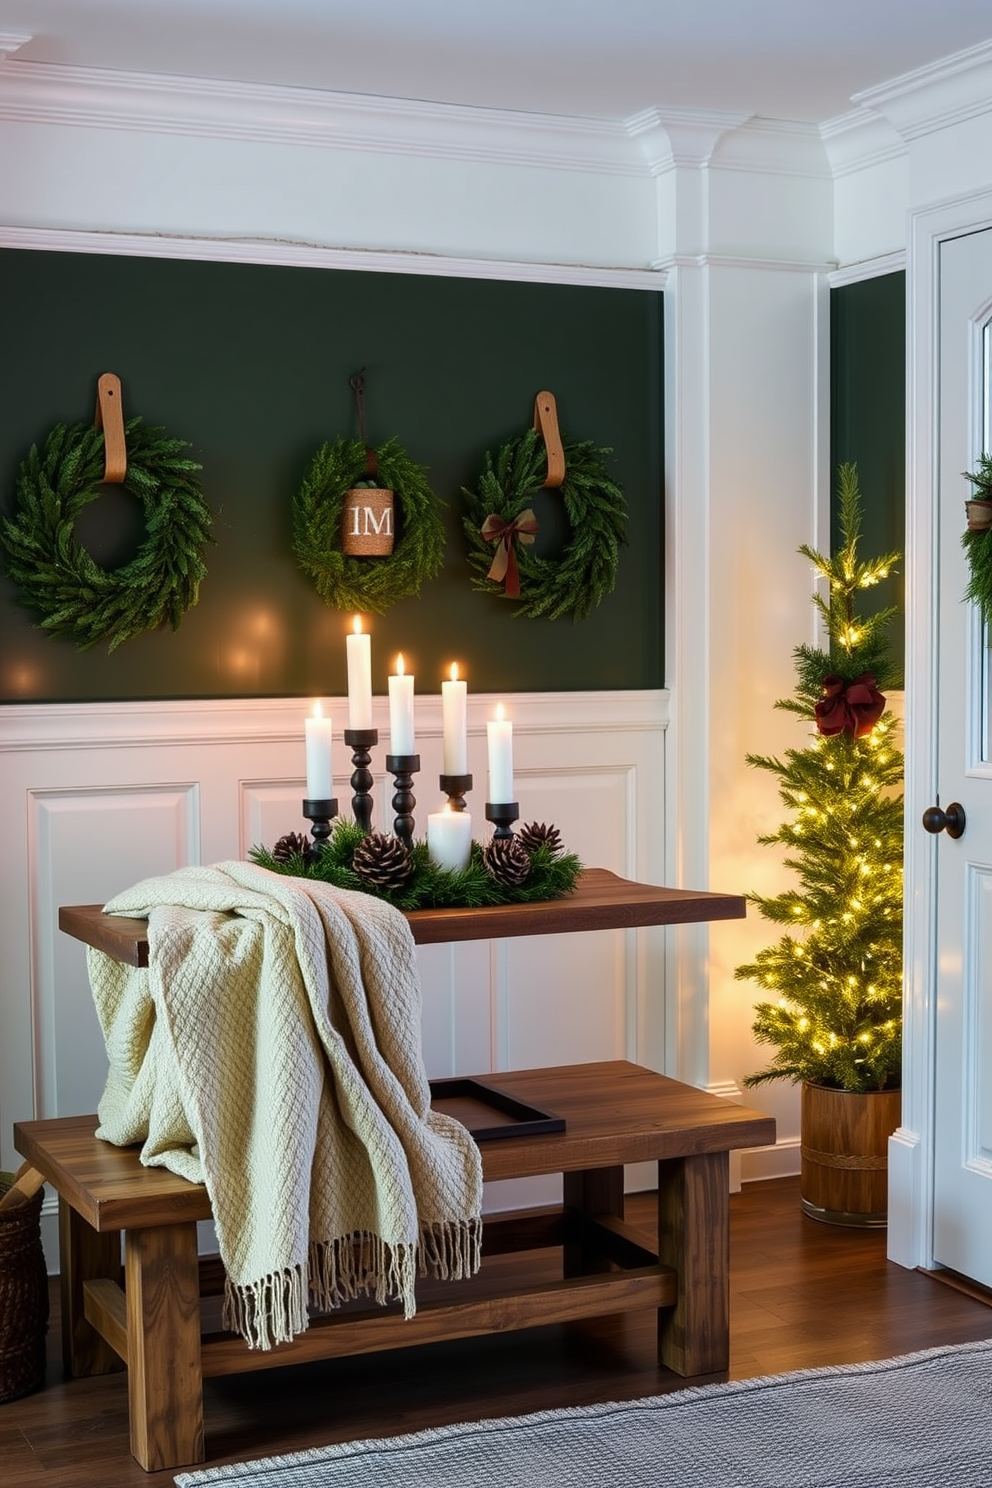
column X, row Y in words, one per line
column 378, row 863
column 366, row 584
column 498, row 511
column 836, row 975
column 58, row 578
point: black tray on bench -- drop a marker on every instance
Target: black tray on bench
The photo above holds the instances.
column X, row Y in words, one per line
column 490, row 1113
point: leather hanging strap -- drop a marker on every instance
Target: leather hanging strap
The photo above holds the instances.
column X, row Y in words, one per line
column 110, row 418
column 546, row 424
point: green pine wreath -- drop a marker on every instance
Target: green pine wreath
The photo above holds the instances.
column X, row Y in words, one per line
column 977, row 543
column 586, row 572
column 56, row 577
column 366, row 584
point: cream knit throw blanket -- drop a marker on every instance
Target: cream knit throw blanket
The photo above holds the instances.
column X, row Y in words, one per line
column 272, row 1051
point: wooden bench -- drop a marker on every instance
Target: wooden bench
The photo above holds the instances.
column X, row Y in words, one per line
column 614, row 1113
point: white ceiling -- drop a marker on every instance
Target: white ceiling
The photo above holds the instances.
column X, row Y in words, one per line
column 786, row 59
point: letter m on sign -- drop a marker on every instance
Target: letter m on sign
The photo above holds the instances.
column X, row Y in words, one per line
column 384, row 524
column 365, row 522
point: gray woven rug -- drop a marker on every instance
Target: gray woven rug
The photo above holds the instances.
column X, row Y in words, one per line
column 920, row 1421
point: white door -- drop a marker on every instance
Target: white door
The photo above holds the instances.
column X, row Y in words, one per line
column 963, row 750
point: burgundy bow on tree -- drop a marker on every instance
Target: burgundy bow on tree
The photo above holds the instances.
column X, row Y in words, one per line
column 504, row 564
column 854, row 707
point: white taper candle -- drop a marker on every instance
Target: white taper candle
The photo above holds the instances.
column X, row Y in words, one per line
column 499, row 733
column 359, row 677
column 320, row 759
column 454, row 715
column 402, row 737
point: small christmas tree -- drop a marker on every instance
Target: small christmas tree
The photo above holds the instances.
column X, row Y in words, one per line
column 836, row 1020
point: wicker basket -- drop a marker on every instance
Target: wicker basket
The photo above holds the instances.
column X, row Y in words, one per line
column 23, row 1296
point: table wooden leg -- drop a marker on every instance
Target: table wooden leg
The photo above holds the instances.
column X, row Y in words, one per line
column 592, row 1192
column 165, row 1383
column 84, row 1255
column 694, row 1239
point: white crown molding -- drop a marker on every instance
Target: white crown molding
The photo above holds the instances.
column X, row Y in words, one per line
column 868, row 268
column 282, row 251
column 858, row 140
column 674, row 137
column 43, row 93
column 651, row 142
column 727, row 141
column 773, row 147
column 12, row 41
column 943, row 93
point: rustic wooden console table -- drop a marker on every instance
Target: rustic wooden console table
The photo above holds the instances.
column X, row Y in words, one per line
column 601, row 901
column 614, row 1113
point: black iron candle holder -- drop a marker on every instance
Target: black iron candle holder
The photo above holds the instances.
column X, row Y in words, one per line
column 360, row 741
column 321, row 813
column 403, row 767
column 502, row 814
column 454, row 787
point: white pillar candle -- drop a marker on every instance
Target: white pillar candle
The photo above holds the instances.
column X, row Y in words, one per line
column 401, row 732
column 499, row 733
column 359, row 677
column 454, row 705
column 320, row 764
column 449, row 839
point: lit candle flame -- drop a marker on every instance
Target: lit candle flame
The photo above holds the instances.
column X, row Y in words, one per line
column 454, row 671
column 356, row 625
column 317, row 711
column 500, row 712
column 400, row 668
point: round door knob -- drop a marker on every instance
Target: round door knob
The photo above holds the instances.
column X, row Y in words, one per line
column 951, row 821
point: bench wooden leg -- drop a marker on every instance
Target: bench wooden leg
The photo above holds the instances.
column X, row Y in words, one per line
column 593, row 1192
column 165, row 1382
column 694, row 1239
column 84, row 1255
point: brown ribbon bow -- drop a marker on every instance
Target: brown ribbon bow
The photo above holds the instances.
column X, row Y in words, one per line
column 504, row 564
column 854, row 707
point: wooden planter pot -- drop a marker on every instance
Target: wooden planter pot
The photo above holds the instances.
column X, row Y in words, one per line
column 845, row 1165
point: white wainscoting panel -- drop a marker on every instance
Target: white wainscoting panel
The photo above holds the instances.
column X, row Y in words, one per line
column 95, row 797
column 79, row 842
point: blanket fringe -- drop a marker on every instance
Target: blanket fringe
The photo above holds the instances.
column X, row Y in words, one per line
column 362, row 1265
column 269, row 1311
column 451, row 1251
column 274, row 1309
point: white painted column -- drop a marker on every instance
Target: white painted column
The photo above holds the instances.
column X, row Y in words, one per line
column 746, row 430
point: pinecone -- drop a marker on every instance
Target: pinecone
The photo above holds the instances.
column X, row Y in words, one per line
column 536, row 834
column 382, row 860
column 507, row 861
column 289, row 846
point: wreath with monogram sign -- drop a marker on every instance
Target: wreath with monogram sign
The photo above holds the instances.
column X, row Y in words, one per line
column 58, row 578
column 500, row 525
column 366, row 584
column 360, row 575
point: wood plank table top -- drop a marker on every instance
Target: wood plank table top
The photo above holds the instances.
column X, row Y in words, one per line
column 615, row 1112
column 601, row 901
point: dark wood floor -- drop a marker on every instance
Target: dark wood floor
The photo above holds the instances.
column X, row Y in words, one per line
column 803, row 1294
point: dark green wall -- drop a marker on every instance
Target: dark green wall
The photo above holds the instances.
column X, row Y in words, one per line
column 868, row 414
column 250, row 364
